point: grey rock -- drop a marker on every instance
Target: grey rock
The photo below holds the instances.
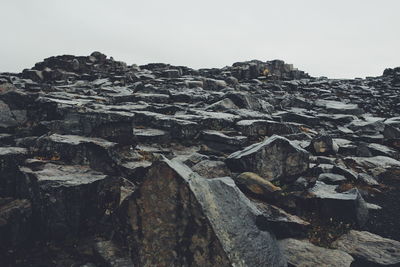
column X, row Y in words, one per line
column 68, row 200
column 196, row 230
column 347, row 206
column 302, row 253
column 274, row 158
column 369, row 249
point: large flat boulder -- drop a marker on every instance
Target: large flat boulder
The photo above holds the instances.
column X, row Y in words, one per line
column 274, row 158
column 176, row 218
column 369, row 249
column 68, row 199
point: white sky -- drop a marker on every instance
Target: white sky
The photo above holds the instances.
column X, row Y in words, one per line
column 337, row 38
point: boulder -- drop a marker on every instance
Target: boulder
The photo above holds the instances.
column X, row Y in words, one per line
column 281, row 223
column 274, row 158
column 250, row 182
column 211, row 169
column 301, row 253
column 68, row 199
column 10, row 158
column 73, row 149
column 177, row 218
column 369, row 249
column 15, row 223
column 347, row 206
column 323, row 145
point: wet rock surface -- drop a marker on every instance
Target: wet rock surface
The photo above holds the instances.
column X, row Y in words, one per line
column 254, row 164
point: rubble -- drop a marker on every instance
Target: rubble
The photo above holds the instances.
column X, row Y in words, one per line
column 104, row 163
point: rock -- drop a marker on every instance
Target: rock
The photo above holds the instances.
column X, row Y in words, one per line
column 211, row 169
column 367, row 179
column 111, row 255
column 68, row 200
column 189, row 221
column 323, row 145
column 10, row 158
column 391, row 132
column 283, row 224
column 331, row 178
column 369, row 249
column 222, row 105
column 302, row 253
column 15, row 223
column 347, row 206
column 72, row 149
column 149, row 135
column 6, row 117
column 274, row 158
column 251, row 183
column 222, row 142
column 254, row 128
column 340, row 107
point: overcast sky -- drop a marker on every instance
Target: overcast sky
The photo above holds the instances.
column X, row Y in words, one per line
column 338, row 38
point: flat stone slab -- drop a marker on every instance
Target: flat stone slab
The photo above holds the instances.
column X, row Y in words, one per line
column 301, row 253
column 369, row 249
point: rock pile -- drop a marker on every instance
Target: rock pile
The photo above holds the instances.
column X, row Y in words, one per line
column 256, row 164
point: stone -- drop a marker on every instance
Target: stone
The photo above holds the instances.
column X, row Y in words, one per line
column 302, row 253
column 68, row 199
column 274, row 158
column 111, row 255
column 6, row 117
column 211, row 169
column 73, row 149
column 391, row 132
column 369, row 249
column 280, row 222
column 250, row 182
column 178, row 218
column 15, row 223
column 331, row 178
column 323, row 145
column 347, row 206
column 222, row 142
column 10, row 158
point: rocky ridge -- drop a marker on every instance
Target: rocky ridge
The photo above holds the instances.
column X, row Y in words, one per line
column 255, row 164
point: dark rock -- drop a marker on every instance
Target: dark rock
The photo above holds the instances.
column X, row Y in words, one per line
column 303, row 253
column 69, row 200
column 369, row 249
column 188, row 221
column 346, row 206
column 10, row 158
column 331, row 178
column 15, row 223
column 111, row 255
column 323, row 145
column 274, row 158
column 211, row 169
column 283, row 224
column 222, row 142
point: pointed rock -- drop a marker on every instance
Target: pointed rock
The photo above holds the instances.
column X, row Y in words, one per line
column 177, row 218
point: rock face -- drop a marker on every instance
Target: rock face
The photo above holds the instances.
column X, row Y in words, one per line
column 89, row 175
column 177, row 218
column 274, row 158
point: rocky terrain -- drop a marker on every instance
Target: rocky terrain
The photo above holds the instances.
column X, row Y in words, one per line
column 256, row 164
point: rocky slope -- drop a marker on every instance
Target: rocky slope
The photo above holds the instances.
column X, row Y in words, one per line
column 257, row 164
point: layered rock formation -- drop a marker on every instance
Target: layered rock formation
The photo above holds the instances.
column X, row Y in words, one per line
column 255, row 164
